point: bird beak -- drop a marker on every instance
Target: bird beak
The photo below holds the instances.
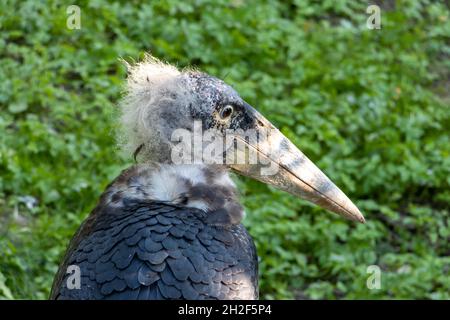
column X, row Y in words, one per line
column 281, row 164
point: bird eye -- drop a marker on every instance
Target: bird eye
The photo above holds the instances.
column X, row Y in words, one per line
column 226, row 111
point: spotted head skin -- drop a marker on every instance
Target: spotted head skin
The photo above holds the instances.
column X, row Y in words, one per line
column 217, row 104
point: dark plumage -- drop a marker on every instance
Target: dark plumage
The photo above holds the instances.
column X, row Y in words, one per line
column 134, row 248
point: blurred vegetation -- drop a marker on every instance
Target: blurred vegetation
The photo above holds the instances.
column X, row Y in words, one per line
column 370, row 107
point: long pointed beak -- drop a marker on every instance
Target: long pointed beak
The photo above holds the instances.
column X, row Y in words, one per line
column 281, row 164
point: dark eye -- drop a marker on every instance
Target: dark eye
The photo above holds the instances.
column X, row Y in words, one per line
column 226, row 111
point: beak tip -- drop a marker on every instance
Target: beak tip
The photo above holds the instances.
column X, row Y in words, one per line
column 343, row 206
column 357, row 216
column 362, row 220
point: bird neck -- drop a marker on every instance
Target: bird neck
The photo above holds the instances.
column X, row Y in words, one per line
column 205, row 187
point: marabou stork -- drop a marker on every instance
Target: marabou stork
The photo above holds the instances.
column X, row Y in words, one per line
column 165, row 229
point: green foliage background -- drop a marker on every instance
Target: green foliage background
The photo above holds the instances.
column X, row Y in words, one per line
column 370, row 107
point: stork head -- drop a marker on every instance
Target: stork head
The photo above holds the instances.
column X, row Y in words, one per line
column 172, row 116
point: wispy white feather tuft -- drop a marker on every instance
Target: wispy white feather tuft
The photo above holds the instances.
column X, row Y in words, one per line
column 148, row 74
column 147, row 82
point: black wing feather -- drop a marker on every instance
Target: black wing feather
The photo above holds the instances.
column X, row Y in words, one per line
column 149, row 250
